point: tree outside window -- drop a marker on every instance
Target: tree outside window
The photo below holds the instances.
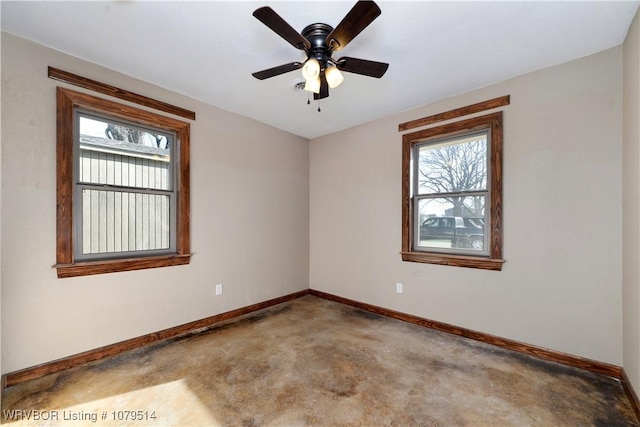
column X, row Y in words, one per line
column 452, row 194
column 451, row 185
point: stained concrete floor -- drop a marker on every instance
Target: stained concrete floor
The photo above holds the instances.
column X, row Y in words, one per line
column 317, row 362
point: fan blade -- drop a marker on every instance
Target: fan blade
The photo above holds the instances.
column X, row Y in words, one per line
column 276, row 71
column 268, row 17
column 324, row 88
column 358, row 18
column 362, row 66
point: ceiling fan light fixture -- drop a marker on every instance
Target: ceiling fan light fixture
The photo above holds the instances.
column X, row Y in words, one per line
column 311, row 69
column 334, row 77
column 312, row 85
column 318, row 41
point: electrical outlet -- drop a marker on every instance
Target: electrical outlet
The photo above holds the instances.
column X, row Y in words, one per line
column 399, row 288
column 219, row 289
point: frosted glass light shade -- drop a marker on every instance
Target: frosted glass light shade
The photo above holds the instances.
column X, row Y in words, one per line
column 313, row 85
column 311, row 69
column 334, row 77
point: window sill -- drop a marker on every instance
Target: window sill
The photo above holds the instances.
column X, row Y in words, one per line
column 453, row 260
column 113, row 266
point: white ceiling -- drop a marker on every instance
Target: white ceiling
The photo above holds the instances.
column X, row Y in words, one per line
column 208, row 49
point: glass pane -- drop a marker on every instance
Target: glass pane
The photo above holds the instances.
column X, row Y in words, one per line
column 115, row 154
column 455, row 165
column 114, row 221
column 452, row 222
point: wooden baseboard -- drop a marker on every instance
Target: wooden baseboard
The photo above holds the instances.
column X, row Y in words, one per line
column 542, row 353
column 38, row 371
column 630, row 392
column 539, row 352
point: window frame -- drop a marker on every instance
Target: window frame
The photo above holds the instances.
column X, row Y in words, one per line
column 66, row 263
column 492, row 261
column 80, row 186
column 419, row 197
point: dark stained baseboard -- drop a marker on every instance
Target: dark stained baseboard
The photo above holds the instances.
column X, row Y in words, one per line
column 41, row 370
column 539, row 352
column 630, row 392
column 17, row 377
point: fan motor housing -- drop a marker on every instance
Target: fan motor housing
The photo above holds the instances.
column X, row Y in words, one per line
column 317, row 36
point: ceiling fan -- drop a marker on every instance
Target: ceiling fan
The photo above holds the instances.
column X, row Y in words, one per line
column 319, row 41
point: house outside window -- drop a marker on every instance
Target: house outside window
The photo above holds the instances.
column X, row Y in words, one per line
column 452, row 194
column 123, row 187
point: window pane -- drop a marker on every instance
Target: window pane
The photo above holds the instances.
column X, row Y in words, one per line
column 114, row 221
column 116, row 154
column 452, row 223
column 455, row 165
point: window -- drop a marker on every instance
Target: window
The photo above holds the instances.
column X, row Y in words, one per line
column 452, row 194
column 122, row 187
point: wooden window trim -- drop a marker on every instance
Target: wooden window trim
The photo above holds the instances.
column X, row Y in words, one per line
column 83, row 82
column 67, row 101
column 458, row 112
column 494, row 261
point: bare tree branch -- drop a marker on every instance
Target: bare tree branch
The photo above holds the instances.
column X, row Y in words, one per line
column 455, row 168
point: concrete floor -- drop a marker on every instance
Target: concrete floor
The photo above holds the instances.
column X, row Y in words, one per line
column 316, row 362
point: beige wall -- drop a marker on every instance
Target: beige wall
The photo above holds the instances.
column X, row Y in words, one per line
column 560, row 287
column 631, row 205
column 250, row 214
column 1, row 353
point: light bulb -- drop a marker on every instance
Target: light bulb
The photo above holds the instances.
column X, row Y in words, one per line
column 334, row 76
column 313, row 85
column 311, row 69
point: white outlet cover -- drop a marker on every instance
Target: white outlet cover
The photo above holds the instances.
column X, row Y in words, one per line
column 219, row 289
